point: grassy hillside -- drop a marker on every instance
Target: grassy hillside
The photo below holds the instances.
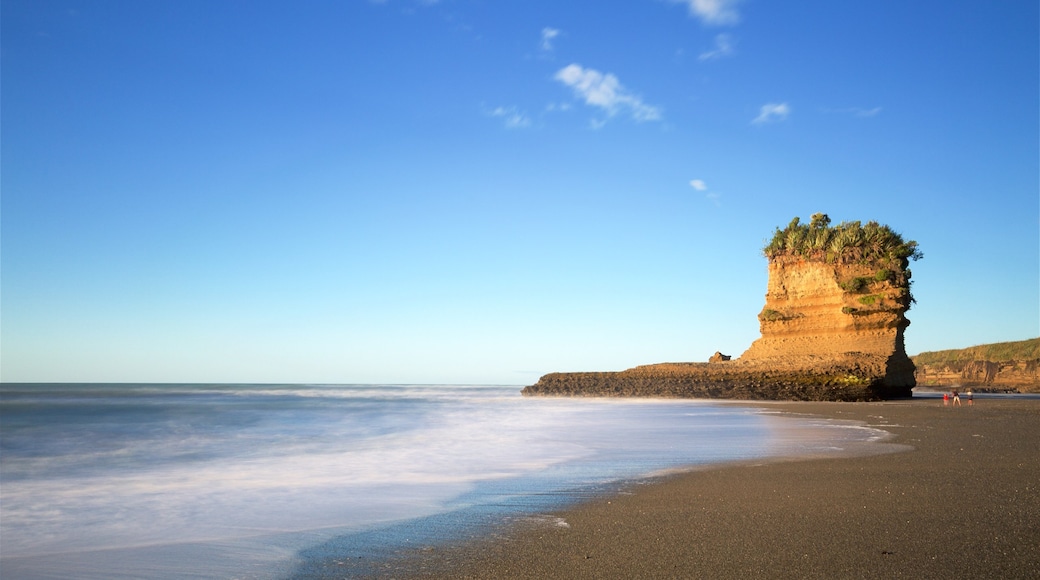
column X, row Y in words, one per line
column 1000, row 351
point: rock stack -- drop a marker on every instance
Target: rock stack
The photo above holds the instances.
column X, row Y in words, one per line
column 832, row 328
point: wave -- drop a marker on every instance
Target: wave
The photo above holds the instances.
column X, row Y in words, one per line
column 87, row 468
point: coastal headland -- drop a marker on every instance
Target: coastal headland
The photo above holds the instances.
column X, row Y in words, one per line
column 831, row 329
column 999, row 367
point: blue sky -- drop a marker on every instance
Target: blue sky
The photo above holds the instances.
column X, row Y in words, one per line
column 478, row 191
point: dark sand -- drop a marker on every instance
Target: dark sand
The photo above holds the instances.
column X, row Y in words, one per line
column 960, row 499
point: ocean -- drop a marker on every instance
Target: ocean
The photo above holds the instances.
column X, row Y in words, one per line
column 283, row 481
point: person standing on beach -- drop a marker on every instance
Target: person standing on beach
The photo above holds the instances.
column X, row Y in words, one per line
column 956, row 398
column 946, row 399
column 971, row 400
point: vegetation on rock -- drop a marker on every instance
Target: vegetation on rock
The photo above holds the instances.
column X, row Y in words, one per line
column 848, row 242
column 873, row 246
column 774, row 315
column 811, row 347
column 856, row 285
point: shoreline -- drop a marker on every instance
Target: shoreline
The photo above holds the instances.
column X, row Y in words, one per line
column 961, row 501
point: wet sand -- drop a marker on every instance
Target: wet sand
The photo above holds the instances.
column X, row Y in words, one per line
column 959, row 498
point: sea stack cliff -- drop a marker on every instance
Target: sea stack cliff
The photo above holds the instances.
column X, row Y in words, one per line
column 832, row 327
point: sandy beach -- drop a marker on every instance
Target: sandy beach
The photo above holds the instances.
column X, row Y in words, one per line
column 957, row 495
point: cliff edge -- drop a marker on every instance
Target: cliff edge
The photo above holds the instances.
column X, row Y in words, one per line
column 828, row 310
column 832, row 327
column 999, row 367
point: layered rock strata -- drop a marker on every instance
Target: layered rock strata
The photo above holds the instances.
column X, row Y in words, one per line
column 831, row 330
column 983, row 375
column 830, row 311
column 1001, row 366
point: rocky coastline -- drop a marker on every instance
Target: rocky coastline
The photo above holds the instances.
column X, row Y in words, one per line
column 848, row 377
column 1008, row 367
column 831, row 329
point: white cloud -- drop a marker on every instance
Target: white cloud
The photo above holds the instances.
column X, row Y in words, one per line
column 857, row 111
column 723, row 47
column 511, row 116
column 713, row 197
column 714, row 12
column 606, row 92
column 548, row 34
column 771, row 112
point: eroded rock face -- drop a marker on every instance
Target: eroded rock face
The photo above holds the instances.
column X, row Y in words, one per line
column 829, row 333
column 1002, row 376
column 827, row 310
column 832, row 327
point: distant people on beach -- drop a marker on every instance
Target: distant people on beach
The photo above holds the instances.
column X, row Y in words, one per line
column 954, row 398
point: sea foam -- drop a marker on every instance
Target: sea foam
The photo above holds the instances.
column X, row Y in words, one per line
column 103, row 481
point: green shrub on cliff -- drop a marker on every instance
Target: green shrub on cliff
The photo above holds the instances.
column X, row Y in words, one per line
column 856, row 285
column 847, row 242
column 771, row 315
column 870, row 299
